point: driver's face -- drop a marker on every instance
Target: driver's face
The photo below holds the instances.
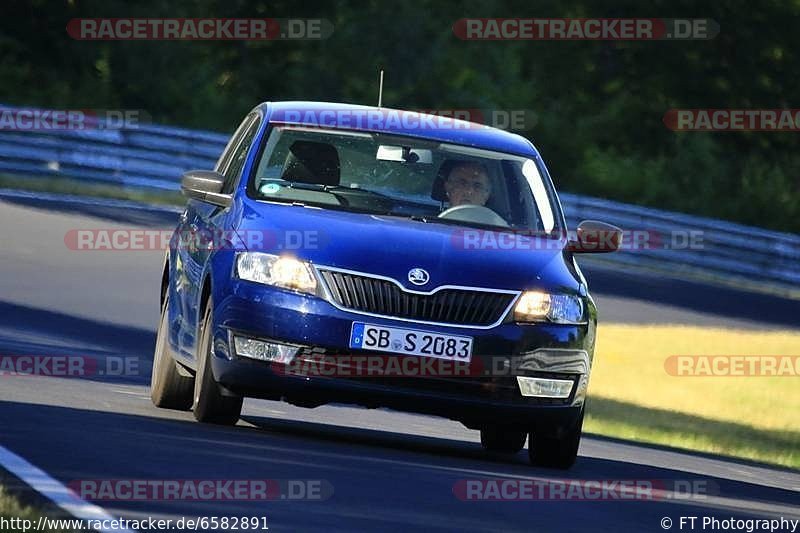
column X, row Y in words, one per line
column 467, row 184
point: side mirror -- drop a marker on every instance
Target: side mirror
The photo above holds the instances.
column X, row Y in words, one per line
column 205, row 185
column 595, row 237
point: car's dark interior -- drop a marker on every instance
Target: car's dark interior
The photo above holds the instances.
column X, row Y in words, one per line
column 312, row 162
column 312, row 173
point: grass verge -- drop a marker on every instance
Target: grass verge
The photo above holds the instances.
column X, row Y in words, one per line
column 18, row 516
column 632, row 396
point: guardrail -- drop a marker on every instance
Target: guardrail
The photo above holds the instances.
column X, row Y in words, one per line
column 680, row 242
column 145, row 156
column 154, row 157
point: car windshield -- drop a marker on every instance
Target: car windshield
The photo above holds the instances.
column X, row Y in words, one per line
column 404, row 177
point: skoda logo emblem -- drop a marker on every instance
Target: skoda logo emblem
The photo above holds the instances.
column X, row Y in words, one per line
column 418, row 276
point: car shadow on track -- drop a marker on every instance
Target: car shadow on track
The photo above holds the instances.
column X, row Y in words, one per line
column 467, row 450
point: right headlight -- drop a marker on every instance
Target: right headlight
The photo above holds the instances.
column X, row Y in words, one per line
column 280, row 271
column 539, row 306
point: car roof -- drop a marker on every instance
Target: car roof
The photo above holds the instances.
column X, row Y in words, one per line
column 397, row 122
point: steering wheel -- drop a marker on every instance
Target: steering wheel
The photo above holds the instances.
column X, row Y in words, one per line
column 474, row 213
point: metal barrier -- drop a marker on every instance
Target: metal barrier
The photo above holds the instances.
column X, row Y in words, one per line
column 144, row 156
column 154, row 157
column 719, row 247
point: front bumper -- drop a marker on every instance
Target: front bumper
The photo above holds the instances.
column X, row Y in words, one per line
column 488, row 395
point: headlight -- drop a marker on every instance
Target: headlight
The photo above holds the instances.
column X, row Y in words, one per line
column 537, row 306
column 286, row 272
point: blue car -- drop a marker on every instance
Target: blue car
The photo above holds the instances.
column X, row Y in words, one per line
column 381, row 258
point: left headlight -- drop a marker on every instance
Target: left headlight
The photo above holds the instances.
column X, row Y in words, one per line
column 538, row 306
column 280, row 271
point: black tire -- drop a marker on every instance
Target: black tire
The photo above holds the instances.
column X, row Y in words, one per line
column 210, row 405
column 556, row 451
column 168, row 388
column 502, row 440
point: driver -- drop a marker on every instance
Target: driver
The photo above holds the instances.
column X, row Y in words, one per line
column 467, row 184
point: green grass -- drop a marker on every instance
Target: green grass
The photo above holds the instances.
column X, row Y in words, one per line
column 631, row 396
column 11, row 507
column 81, row 188
column 661, row 426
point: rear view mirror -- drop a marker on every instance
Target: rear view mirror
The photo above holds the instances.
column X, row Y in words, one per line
column 205, row 185
column 596, row 237
column 404, row 154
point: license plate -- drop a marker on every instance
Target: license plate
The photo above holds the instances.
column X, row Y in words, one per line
column 411, row 342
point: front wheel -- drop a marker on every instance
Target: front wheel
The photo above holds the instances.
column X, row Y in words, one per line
column 210, row 405
column 556, row 451
column 168, row 387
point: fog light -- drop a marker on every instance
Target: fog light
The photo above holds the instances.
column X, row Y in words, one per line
column 544, row 388
column 264, row 351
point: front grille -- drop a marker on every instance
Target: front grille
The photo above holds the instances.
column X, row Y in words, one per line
column 382, row 297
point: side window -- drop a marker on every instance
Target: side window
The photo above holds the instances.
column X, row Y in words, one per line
column 239, row 156
column 223, row 160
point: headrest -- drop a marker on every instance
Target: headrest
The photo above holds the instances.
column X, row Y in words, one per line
column 312, row 162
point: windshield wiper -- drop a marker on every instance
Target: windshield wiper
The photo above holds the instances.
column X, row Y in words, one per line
column 320, row 187
column 427, row 219
column 322, row 205
column 313, row 186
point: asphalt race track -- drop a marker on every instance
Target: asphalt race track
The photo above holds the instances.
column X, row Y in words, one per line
column 387, row 471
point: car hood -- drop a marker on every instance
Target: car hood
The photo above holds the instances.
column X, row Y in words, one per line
column 392, row 246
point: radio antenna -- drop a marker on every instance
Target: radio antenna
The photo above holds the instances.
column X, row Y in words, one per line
column 380, row 90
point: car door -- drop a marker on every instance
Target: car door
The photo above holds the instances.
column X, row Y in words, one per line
column 188, row 271
column 211, row 221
